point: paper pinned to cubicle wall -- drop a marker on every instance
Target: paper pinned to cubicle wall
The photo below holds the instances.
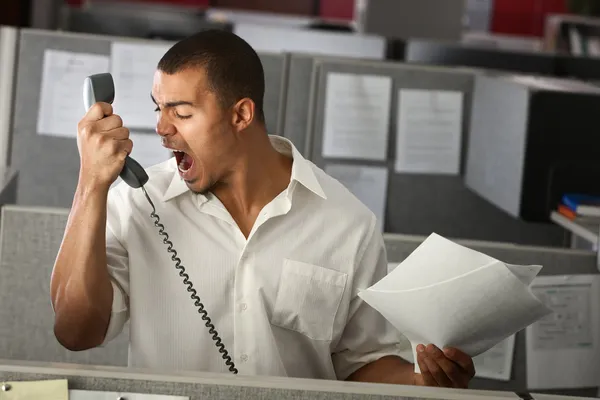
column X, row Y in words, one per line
column 357, row 116
column 369, row 184
column 429, row 132
column 61, row 102
column 496, row 363
column 563, row 349
column 34, row 390
column 466, row 299
column 98, row 395
column 133, row 65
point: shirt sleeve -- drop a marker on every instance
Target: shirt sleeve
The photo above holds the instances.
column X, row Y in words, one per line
column 368, row 336
column 118, row 268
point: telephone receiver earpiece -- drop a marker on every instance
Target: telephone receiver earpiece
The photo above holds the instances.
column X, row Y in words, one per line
column 101, row 88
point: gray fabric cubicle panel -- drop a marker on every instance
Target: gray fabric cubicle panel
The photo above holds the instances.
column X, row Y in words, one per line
column 554, row 261
column 421, row 204
column 29, row 242
column 204, row 386
column 298, row 99
column 275, row 66
column 49, row 166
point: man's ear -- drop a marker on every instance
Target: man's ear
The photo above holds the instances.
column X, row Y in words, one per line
column 243, row 114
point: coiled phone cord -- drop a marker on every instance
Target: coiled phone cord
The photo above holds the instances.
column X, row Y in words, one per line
column 190, row 287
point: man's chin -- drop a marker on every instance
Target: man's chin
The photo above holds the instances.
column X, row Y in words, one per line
column 196, row 188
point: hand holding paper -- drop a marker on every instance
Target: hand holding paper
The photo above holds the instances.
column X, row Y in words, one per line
column 451, row 296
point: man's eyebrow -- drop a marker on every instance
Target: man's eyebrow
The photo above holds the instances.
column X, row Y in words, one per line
column 173, row 103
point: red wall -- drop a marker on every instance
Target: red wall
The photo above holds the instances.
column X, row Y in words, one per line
column 524, row 17
column 337, row 9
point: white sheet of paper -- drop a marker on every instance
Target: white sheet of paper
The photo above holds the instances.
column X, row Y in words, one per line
column 97, row 395
column 429, row 131
column 563, row 349
column 61, row 99
column 147, row 149
column 496, row 363
column 467, row 299
column 357, row 116
column 368, row 184
column 133, row 66
column 35, row 390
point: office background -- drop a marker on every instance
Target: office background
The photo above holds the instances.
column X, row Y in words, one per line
column 517, row 82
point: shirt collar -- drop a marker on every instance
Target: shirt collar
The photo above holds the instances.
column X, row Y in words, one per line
column 302, row 171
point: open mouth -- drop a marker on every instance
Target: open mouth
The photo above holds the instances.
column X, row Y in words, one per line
column 184, row 161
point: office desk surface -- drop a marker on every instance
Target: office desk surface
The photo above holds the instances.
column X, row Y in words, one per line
column 199, row 385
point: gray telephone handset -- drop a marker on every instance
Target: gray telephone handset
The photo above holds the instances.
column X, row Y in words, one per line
column 101, row 88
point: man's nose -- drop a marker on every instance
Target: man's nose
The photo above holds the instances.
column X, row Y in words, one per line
column 164, row 128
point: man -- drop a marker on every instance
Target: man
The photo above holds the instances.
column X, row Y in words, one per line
column 276, row 249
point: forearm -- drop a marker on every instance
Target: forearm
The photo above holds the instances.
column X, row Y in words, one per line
column 390, row 369
column 81, row 291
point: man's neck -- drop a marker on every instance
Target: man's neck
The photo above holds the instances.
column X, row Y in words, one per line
column 260, row 174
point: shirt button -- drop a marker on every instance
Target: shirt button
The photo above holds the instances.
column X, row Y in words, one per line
column 244, row 357
column 244, row 306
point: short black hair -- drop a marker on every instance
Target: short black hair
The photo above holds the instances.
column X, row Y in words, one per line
column 233, row 68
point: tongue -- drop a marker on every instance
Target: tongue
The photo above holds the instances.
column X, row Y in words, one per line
column 185, row 163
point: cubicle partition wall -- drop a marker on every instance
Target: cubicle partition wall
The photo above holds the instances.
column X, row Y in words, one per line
column 49, row 163
column 9, row 37
column 555, row 262
column 29, row 242
column 118, row 383
column 283, row 39
column 457, row 54
column 418, row 200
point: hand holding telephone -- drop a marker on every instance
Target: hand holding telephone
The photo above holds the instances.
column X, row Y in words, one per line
column 101, row 88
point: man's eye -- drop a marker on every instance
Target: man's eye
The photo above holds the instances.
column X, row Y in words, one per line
column 183, row 116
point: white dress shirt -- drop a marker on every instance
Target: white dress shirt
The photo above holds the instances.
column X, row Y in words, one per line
column 284, row 300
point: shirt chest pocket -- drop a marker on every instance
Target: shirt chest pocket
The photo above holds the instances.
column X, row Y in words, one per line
column 308, row 299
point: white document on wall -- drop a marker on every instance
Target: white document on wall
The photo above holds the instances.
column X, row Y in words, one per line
column 369, row 184
column 147, row 149
column 98, row 395
column 61, row 99
column 467, row 299
column 357, row 116
column 429, row 132
column 133, row 65
column 496, row 363
column 563, row 349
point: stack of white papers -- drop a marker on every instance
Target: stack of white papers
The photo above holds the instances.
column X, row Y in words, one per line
column 451, row 296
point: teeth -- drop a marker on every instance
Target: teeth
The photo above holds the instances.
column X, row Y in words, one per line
column 181, row 167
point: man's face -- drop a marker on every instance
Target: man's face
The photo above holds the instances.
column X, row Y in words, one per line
column 193, row 124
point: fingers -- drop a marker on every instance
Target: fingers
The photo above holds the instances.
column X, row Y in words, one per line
column 126, row 146
column 98, row 111
column 120, row 133
column 445, row 371
column 108, row 123
column 428, row 379
column 439, row 370
column 462, row 359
